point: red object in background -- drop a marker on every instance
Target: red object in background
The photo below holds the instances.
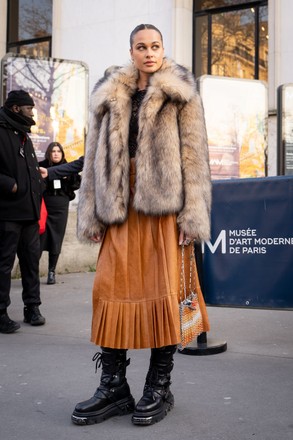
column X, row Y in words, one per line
column 43, row 217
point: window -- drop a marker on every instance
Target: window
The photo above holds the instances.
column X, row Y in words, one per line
column 29, row 27
column 231, row 38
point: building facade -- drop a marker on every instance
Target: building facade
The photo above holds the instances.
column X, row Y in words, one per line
column 237, row 38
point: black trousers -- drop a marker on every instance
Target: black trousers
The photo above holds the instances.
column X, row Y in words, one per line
column 21, row 239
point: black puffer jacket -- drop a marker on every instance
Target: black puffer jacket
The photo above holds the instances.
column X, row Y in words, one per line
column 20, row 167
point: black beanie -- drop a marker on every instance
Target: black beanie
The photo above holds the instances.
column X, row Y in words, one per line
column 18, row 97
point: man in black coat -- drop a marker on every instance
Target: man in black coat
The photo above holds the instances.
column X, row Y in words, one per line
column 21, row 188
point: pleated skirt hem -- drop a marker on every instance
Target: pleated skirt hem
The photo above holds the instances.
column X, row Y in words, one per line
column 143, row 324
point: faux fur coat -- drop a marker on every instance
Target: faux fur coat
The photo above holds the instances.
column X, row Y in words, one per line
column 172, row 166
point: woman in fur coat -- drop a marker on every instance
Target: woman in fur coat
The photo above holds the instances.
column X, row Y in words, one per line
column 146, row 191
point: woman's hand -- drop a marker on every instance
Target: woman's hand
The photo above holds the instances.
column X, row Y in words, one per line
column 184, row 239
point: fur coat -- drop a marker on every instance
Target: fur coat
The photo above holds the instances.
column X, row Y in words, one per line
column 172, row 166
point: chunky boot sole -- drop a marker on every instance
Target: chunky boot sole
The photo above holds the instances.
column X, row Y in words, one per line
column 119, row 408
column 151, row 417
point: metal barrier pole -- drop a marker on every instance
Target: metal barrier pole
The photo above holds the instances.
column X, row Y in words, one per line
column 202, row 346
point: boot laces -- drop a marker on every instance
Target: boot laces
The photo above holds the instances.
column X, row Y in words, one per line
column 97, row 358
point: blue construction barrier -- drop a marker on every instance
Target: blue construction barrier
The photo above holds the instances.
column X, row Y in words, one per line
column 249, row 260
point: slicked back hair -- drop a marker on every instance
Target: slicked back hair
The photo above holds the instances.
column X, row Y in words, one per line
column 141, row 27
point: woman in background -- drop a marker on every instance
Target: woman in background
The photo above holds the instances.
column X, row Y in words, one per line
column 57, row 196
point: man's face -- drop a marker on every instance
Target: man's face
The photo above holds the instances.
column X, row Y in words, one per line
column 25, row 110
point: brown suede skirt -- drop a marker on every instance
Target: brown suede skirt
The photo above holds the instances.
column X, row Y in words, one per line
column 136, row 287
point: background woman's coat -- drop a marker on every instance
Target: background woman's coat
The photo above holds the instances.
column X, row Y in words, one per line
column 57, row 204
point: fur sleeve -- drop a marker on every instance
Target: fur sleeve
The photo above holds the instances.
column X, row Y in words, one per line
column 194, row 218
column 87, row 222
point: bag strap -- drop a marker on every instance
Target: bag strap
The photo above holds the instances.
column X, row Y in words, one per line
column 192, row 277
column 183, row 290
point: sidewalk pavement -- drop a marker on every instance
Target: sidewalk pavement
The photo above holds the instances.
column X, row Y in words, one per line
column 244, row 393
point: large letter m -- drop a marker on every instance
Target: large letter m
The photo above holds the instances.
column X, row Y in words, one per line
column 221, row 240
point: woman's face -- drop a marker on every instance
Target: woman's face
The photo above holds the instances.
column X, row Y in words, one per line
column 56, row 154
column 147, row 51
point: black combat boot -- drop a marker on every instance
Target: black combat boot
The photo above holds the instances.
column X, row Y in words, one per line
column 157, row 398
column 113, row 396
column 51, row 277
column 53, row 259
